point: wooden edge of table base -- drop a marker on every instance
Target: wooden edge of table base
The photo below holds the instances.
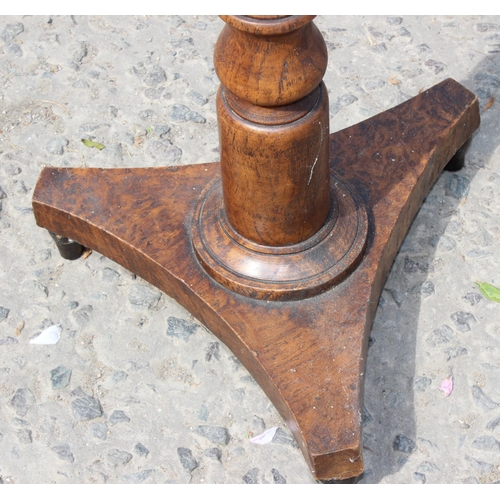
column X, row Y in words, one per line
column 308, row 355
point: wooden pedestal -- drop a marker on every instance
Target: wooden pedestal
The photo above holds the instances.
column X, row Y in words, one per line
column 308, row 354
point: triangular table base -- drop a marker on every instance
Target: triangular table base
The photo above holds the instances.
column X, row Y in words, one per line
column 308, row 355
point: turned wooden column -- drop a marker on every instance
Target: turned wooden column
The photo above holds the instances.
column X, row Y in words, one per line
column 276, row 227
column 273, row 126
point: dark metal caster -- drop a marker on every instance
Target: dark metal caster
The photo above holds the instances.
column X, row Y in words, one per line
column 458, row 161
column 69, row 249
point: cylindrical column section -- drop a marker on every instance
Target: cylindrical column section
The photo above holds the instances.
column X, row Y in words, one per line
column 275, row 179
column 273, row 118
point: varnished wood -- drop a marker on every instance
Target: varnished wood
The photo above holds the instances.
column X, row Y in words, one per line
column 270, row 62
column 281, row 273
column 308, row 355
column 273, row 116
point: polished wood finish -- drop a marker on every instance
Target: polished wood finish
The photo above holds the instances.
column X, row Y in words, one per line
column 308, row 355
column 273, row 128
column 277, row 226
column 291, row 272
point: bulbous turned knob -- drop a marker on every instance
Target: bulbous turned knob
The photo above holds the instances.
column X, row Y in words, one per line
column 270, row 60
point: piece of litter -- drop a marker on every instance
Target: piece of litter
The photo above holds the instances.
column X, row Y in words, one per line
column 489, row 103
column 489, row 291
column 92, row 144
column 446, row 386
column 265, row 437
column 49, row 336
column 19, row 329
column 86, row 254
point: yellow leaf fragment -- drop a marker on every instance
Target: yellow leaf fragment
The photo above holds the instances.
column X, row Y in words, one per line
column 92, row 144
column 489, row 291
column 19, row 329
column 489, row 104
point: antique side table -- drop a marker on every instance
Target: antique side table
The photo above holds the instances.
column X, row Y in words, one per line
column 282, row 248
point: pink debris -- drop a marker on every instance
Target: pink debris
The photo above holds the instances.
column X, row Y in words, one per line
column 265, row 437
column 446, row 386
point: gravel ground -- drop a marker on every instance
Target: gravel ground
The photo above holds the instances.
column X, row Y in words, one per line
column 127, row 394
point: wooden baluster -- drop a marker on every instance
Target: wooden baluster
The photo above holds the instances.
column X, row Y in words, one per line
column 273, row 124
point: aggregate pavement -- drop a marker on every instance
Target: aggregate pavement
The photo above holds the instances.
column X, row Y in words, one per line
column 137, row 390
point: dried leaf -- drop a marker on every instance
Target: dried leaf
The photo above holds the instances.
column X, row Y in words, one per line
column 19, row 328
column 393, row 80
column 489, row 291
column 489, row 104
column 446, row 386
column 49, row 336
column 87, row 253
column 265, row 437
column 92, row 144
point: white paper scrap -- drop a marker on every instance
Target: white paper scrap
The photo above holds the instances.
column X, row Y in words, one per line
column 265, row 437
column 49, row 336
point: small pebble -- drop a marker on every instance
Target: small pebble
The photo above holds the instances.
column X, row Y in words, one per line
column 251, row 476
column 64, row 453
column 394, row 20
column 25, row 436
column 282, row 437
column 214, row 453
column 482, row 399
column 4, row 313
column 197, row 98
column 56, row 146
column 138, row 477
column 341, row 103
column 218, row 435
column 277, row 477
column 457, row 186
column 22, row 400
column 488, row 443
column 143, row 296
column 99, row 430
column 117, row 417
column 428, row 467
column 420, row 384
column 404, row 444
column 419, row 477
column 60, row 377
column 203, row 413
column 479, row 466
column 462, row 320
column 441, row 335
column 141, row 450
column 11, row 31
column 109, row 274
column 82, row 315
column 473, row 298
column 493, row 424
column 119, row 457
column 86, row 408
column 180, row 328
column 156, row 76
column 212, row 351
column 455, row 352
column 119, row 376
column 186, row 458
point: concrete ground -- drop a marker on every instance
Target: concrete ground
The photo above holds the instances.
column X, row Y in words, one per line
column 136, row 390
